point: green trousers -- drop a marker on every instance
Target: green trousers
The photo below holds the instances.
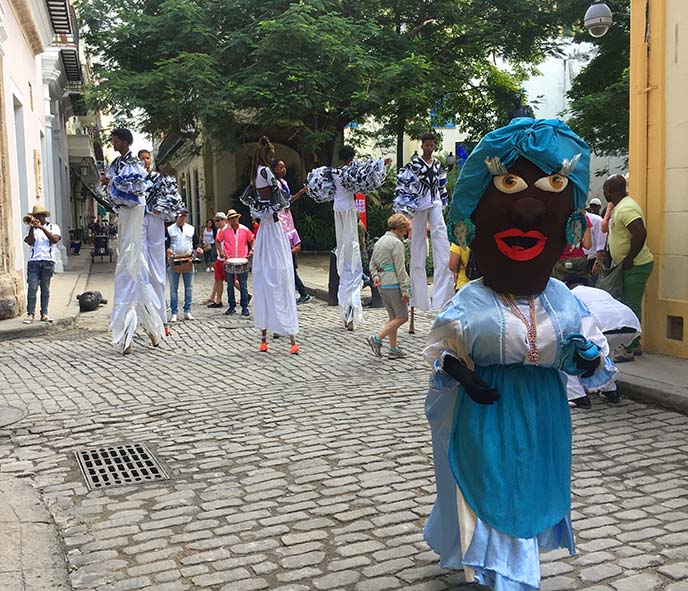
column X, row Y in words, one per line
column 634, row 281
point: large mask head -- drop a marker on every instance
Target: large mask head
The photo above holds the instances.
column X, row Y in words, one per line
column 515, row 200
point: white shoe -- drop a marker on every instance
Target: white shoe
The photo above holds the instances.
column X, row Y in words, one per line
column 209, row 270
column 188, row 317
column 173, row 318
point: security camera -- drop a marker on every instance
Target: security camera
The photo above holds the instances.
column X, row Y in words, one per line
column 598, row 19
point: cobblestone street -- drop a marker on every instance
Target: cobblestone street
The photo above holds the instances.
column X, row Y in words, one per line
column 303, row 473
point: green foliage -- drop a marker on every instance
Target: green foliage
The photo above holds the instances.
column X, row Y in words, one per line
column 599, row 108
column 236, row 68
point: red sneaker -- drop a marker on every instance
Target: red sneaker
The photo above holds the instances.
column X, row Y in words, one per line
column 263, row 348
column 294, row 349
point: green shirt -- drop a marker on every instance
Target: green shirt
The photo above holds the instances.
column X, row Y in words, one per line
column 624, row 213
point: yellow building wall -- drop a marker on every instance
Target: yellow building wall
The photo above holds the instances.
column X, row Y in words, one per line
column 659, row 163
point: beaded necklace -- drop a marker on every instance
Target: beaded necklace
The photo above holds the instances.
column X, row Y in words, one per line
column 531, row 327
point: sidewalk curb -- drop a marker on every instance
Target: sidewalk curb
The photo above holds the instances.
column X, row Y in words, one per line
column 651, row 392
column 38, row 328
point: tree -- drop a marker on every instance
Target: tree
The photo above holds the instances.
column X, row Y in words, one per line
column 304, row 70
column 599, row 107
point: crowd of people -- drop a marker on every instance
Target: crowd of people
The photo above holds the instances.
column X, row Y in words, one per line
column 556, row 304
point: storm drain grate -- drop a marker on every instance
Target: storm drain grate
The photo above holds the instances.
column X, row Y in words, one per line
column 120, row 464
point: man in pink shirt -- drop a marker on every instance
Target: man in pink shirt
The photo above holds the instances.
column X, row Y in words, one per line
column 235, row 241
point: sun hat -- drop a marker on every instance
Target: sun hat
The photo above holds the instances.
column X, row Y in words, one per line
column 40, row 209
column 595, row 201
column 220, row 215
column 233, row 213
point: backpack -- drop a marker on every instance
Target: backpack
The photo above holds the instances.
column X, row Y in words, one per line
column 472, row 271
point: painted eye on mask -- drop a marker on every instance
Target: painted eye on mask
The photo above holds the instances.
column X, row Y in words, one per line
column 509, row 183
column 554, row 183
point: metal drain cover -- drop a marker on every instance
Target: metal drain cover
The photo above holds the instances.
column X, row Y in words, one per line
column 120, row 464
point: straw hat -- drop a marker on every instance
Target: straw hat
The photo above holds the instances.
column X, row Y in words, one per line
column 40, row 210
column 233, row 213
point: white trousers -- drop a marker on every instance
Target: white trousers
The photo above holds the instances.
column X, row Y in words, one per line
column 154, row 253
column 349, row 266
column 443, row 281
column 133, row 291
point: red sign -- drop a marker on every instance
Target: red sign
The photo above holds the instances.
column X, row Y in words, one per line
column 360, row 200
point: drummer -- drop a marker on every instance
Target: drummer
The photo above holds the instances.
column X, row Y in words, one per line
column 235, row 241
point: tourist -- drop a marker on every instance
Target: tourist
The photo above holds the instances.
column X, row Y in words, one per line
column 627, row 237
column 215, row 299
column 208, row 245
column 388, row 271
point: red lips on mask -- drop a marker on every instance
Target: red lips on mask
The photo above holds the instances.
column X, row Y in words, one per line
column 519, row 245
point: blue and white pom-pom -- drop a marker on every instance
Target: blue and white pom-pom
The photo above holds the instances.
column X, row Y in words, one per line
column 363, row 177
column 406, row 193
column 166, row 197
column 129, row 187
column 320, row 182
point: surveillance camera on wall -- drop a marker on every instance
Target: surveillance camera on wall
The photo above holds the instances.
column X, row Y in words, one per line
column 598, row 19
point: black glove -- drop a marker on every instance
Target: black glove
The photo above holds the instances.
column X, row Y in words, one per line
column 477, row 389
column 588, row 366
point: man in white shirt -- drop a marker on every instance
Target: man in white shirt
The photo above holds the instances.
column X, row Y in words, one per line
column 599, row 238
column 41, row 237
column 183, row 243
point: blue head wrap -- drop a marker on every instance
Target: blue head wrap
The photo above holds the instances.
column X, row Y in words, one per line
column 548, row 143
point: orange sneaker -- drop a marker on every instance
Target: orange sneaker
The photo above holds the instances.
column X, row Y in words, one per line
column 294, row 349
column 263, row 347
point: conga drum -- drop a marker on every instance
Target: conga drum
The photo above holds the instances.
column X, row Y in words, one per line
column 236, row 266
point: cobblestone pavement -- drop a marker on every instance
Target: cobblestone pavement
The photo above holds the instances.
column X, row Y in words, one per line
column 308, row 472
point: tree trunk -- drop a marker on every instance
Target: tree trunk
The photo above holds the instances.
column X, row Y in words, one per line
column 400, row 141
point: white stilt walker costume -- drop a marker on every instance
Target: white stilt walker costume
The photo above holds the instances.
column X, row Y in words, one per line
column 274, row 304
column 340, row 185
column 421, row 194
column 134, row 297
column 163, row 203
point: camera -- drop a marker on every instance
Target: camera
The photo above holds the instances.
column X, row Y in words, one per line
column 598, row 19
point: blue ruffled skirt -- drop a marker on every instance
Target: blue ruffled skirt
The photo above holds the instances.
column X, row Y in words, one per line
column 512, row 463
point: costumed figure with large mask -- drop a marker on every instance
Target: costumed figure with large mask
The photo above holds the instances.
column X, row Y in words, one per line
column 134, row 300
column 497, row 407
column 340, row 185
column 421, row 194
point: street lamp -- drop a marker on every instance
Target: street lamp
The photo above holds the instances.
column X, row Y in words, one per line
column 84, row 168
column 598, row 19
column 450, row 160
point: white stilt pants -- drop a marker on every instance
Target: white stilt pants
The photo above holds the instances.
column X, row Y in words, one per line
column 133, row 292
column 443, row 281
column 349, row 266
column 154, row 253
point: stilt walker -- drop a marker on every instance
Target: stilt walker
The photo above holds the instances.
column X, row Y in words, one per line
column 421, row 194
column 274, row 303
column 340, row 185
column 134, row 297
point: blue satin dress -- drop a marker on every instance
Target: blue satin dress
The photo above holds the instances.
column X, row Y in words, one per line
column 509, row 463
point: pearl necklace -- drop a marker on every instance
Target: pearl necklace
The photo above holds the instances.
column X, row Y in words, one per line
column 531, row 327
